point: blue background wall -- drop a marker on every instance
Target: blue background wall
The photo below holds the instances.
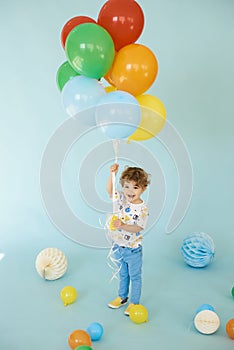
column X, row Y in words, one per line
column 194, row 44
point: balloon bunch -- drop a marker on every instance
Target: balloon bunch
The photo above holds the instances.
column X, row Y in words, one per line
column 106, row 49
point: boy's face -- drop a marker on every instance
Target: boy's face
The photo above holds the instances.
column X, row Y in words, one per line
column 132, row 192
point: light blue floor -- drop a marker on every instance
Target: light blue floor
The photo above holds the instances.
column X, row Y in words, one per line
column 194, row 43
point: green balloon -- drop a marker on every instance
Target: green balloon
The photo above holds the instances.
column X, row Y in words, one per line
column 83, row 347
column 65, row 73
column 90, row 50
column 233, row 292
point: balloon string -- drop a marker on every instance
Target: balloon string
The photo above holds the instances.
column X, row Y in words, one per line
column 114, row 264
column 116, row 149
column 114, row 202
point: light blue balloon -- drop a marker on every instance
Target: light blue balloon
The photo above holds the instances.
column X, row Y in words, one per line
column 95, row 330
column 198, row 249
column 81, row 93
column 118, row 113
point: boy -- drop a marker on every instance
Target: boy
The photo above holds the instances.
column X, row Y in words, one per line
column 126, row 233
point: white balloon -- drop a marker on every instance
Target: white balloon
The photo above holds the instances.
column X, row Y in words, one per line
column 51, row 263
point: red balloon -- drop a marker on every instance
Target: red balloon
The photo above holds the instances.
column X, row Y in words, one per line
column 123, row 19
column 72, row 23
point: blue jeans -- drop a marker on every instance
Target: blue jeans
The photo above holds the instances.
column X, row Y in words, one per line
column 130, row 262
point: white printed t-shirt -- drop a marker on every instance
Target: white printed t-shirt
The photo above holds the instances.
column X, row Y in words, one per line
column 130, row 214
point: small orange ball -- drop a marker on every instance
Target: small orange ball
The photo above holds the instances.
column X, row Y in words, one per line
column 230, row 328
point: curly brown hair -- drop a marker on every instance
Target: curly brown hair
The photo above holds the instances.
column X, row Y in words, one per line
column 138, row 175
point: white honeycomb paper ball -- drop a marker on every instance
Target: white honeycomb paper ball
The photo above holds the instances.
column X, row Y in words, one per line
column 206, row 322
column 51, row 263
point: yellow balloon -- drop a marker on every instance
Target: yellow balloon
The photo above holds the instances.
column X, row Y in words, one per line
column 153, row 117
column 114, row 217
column 68, row 295
column 110, row 88
column 138, row 314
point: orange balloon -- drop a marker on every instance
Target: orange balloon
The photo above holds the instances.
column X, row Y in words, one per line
column 107, row 76
column 230, row 328
column 134, row 69
column 78, row 338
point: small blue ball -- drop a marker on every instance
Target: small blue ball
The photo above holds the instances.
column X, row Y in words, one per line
column 95, row 330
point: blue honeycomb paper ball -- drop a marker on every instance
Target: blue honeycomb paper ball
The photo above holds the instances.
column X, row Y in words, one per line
column 198, row 249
